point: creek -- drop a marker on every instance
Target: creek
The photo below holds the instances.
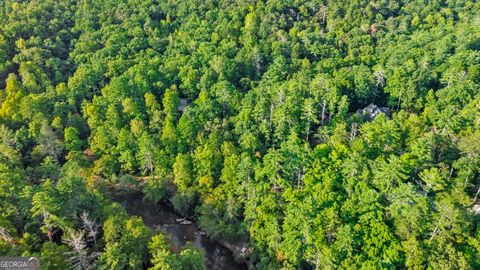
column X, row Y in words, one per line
column 162, row 216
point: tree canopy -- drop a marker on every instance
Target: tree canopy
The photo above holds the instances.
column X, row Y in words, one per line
column 252, row 118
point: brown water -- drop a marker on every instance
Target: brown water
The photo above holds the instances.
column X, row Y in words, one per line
column 161, row 216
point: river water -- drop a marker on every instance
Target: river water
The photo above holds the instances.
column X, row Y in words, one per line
column 161, row 216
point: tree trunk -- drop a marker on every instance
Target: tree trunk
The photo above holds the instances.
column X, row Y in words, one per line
column 324, row 105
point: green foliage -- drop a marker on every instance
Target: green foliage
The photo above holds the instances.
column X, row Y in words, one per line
column 72, row 140
column 126, row 243
column 54, row 256
column 244, row 112
column 162, row 257
column 189, row 258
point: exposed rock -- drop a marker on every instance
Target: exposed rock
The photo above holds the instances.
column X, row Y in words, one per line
column 476, row 209
column 240, row 251
column 183, row 221
column 186, row 222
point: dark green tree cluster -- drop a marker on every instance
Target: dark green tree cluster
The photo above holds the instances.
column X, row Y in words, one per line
column 244, row 115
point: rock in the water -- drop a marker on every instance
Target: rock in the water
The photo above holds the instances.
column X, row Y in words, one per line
column 186, row 222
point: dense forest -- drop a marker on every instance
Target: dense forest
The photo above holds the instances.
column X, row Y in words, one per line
column 325, row 134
